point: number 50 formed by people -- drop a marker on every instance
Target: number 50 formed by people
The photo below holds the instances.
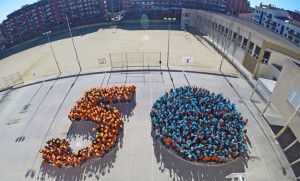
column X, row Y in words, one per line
column 95, row 105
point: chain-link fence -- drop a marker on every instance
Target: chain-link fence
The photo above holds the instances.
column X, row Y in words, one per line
column 10, row 80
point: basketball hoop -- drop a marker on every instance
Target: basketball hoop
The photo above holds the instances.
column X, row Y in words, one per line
column 187, row 59
column 102, row 61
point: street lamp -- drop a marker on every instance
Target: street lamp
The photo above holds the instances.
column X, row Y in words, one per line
column 73, row 42
column 47, row 33
column 168, row 54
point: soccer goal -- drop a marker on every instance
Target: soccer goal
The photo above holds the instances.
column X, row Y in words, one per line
column 141, row 60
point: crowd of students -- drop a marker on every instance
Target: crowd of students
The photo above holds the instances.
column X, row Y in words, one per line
column 58, row 153
column 199, row 125
column 92, row 106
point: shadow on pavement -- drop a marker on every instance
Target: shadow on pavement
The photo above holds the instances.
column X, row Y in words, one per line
column 81, row 130
column 93, row 168
column 179, row 169
column 126, row 110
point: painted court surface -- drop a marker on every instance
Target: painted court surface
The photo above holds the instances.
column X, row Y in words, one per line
column 138, row 156
column 31, row 115
column 98, row 42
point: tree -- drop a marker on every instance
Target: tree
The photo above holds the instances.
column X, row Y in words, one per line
column 108, row 16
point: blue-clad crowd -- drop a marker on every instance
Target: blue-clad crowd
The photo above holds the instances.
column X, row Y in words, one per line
column 199, row 125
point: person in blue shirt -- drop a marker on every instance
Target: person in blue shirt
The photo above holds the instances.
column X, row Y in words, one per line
column 196, row 120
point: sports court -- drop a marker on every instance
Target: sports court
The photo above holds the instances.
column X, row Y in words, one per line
column 32, row 114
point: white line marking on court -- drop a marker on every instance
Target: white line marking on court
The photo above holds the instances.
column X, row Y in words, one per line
column 130, row 163
column 151, row 122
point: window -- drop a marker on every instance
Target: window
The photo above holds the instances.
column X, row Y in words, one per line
column 222, row 29
column 187, row 15
column 256, row 52
column 239, row 40
column 234, row 36
column 229, row 34
column 251, row 46
column 245, row 43
column 187, row 22
column 266, row 57
column 293, row 98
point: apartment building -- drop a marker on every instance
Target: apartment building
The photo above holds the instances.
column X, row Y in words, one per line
column 237, row 6
column 209, row 5
column 1, row 38
column 278, row 21
column 47, row 15
column 78, row 9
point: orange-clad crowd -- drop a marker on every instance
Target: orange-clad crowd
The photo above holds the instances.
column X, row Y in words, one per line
column 92, row 106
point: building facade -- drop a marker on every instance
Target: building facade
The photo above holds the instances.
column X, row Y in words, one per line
column 259, row 51
column 209, row 5
column 278, row 21
column 237, row 6
column 45, row 15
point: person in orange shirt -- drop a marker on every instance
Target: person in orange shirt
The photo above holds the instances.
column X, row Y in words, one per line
column 168, row 142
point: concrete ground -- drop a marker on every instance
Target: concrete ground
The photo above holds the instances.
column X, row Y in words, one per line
column 32, row 114
column 99, row 42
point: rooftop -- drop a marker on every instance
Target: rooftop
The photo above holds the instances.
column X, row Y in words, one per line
column 261, row 31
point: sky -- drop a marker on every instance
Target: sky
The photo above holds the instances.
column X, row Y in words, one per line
column 285, row 4
column 8, row 6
